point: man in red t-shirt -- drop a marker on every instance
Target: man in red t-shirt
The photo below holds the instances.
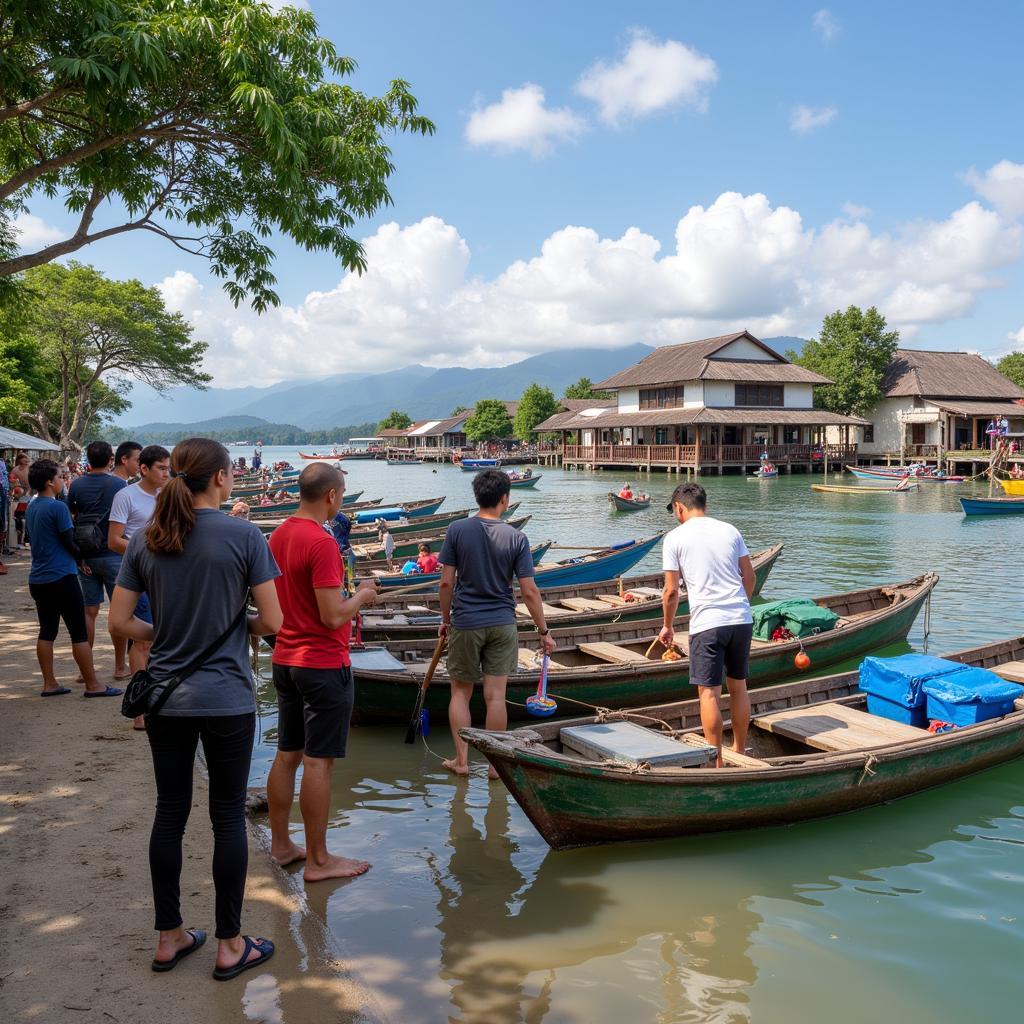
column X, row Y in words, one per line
column 312, row 673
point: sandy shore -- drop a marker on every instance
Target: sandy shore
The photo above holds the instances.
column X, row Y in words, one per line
column 76, row 801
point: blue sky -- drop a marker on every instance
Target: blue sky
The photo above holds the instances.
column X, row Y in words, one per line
column 615, row 122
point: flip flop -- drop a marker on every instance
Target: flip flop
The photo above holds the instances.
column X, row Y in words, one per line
column 198, row 938
column 59, row 692
column 263, row 946
column 110, row 691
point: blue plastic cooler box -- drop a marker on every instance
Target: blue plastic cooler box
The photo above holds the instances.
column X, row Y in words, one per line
column 371, row 515
column 968, row 697
column 895, row 685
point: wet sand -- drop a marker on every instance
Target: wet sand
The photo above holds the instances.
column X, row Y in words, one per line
column 76, row 801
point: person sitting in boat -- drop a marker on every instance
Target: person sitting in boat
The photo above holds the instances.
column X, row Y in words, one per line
column 768, row 469
column 265, row 500
column 626, row 493
column 240, row 510
column 427, row 560
column 1016, row 473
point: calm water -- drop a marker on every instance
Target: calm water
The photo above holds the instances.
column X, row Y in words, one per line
column 910, row 912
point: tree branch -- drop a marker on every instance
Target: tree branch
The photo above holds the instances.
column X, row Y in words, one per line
column 20, row 109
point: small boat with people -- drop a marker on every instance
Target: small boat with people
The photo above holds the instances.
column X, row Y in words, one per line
column 628, row 500
column 766, row 471
column 902, row 487
column 815, row 747
column 916, row 471
column 523, row 478
column 475, row 465
column 405, row 462
column 407, row 546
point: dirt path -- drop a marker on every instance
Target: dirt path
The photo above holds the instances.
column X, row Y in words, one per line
column 76, row 802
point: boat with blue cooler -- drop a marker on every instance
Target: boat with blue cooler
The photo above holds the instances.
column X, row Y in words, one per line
column 390, row 513
column 429, row 580
column 992, row 506
column 595, row 566
column 814, row 749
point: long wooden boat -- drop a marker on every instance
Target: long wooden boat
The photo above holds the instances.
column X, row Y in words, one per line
column 291, row 486
column 992, row 506
column 923, row 475
column 396, row 579
column 628, row 505
column 581, row 672
column 475, row 465
column 396, row 512
column 405, row 462
column 853, row 489
column 524, row 481
column 286, row 508
column 1013, row 488
column 814, row 751
column 408, row 546
column 417, row 616
column 419, row 524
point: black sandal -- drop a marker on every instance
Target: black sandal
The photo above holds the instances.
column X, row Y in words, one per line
column 263, row 946
column 198, row 938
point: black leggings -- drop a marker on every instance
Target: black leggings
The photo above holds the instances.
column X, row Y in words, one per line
column 61, row 599
column 227, row 745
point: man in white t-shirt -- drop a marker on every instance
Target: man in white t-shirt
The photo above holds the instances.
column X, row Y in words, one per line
column 709, row 557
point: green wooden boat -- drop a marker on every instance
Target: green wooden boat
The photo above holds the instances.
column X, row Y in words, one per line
column 422, row 524
column 268, row 524
column 368, row 555
column 869, row 619
column 416, row 616
column 843, row 760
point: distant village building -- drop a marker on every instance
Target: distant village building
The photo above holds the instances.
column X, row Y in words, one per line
column 718, row 404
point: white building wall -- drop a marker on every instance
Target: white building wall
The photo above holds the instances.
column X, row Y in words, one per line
column 799, row 396
column 693, row 395
column 742, row 348
column 889, row 430
column 629, row 400
column 719, row 393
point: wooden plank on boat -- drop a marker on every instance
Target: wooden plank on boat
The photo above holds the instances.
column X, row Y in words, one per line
column 551, row 611
column 836, row 727
column 614, row 600
column 1018, row 704
column 645, row 591
column 383, row 621
column 729, row 756
column 612, row 652
column 1012, row 670
column 583, row 604
column 631, row 743
column 529, row 661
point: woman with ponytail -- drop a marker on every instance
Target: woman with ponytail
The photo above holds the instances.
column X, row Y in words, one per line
column 198, row 565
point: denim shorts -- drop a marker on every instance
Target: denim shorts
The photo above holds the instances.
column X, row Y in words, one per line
column 104, row 575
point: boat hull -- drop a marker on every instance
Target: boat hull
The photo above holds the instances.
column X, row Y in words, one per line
column 898, row 474
column 1013, row 488
column 992, row 506
column 626, row 504
column 529, row 482
column 396, row 580
column 475, row 465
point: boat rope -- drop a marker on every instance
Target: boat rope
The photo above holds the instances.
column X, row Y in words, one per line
column 869, row 768
column 637, row 767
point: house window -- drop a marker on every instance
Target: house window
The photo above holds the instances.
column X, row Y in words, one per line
column 869, row 434
column 791, row 435
column 661, row 398
column 759, row 394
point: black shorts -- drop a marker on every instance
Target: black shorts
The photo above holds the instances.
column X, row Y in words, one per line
column 721, row 650
column 314, row 706
column 61, row 599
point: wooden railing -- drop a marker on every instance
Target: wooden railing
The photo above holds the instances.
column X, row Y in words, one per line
column 686, row 454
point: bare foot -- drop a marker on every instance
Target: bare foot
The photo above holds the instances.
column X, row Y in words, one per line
column 335, row 867
column 123, row 673
column 287, row 854
column 453, row 766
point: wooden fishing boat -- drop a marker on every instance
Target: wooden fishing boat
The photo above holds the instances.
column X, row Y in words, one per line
column 475, row 465
column 291, row 486
column 405, row 462
column 992, row 506
column 853, row 489
column 286, row 508
column 814, row 751
column 325, row 457
column 408, row 546
column 601, row 564
column 627, row 504
column 764, row 476
column 419, row 524
column 417, row 616
column 396, row 579
column 394, row 513
column 524, row 481
column 1013, row 488
column 608, row 665
column 925, row 475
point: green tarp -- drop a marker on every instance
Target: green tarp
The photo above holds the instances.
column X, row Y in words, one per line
column 801, row 616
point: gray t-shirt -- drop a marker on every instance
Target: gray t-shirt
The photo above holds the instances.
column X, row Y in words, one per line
column 486, row 554
column 195, row 596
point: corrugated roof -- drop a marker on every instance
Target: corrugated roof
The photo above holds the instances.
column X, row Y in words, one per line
column 579, row 404
column 721, row 417
column 694, row 360
column 435, row 428
column 16, row 439
column 965, row 408
column 945, row 375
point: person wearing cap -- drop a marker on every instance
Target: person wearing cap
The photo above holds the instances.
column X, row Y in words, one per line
column 711, row 559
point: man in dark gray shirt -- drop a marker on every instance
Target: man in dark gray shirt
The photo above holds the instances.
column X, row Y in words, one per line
column 479, row 558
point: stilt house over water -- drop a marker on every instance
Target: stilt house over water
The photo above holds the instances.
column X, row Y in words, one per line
column 716, row 405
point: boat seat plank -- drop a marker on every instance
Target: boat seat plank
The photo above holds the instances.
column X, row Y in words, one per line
column 584, row 604
column 730, row 757
column 614, row 600
column 383, row 621
column 1018, row 704
column 528, row 660
column 612, row 652
column 644, row 591
column 1011, row 670
column 836, row 727
column 551, row 611
column 629, row 743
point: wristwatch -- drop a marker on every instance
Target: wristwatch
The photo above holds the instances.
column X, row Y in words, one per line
column 543, row 632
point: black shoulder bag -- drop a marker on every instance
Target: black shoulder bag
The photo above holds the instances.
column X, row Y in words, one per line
column 145, row 696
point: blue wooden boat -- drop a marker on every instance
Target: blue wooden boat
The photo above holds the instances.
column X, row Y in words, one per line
column 429, row 580
column 992, row 506
column 475, row 465
column 524, row 481
column 351, row 499
column 597, row 566
column 922, row 474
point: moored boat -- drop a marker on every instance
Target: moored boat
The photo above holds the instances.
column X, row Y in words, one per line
column 524, row 481
column 853, row 489
column 923, row 474
column 475, row 465
column 406, row 546
column 1013, row 488
column 405, row 462
column 815, row 751
column 629, row 504
column 396, row 579
column 992, row 506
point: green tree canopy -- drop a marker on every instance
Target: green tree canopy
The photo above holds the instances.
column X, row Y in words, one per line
column 490, row 421
column 584, row 388
column 210, row 123
column 1011, row 366
column 535, row 406
column 459, row 409
column 395, row 420
column 93, row 336
column 853, row 349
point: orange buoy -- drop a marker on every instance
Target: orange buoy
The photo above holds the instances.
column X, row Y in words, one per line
column 802, row 661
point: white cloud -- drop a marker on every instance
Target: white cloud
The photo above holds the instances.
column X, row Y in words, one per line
column 1002, row 185
column 521, row 120
column 651, row 76
column 805, row 119
column 855, row 211
column 32, row 232
column 1017, row 337
column 825, row 24
column 276, row 5
column 738, row 262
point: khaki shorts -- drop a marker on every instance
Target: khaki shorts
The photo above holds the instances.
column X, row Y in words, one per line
column 474, row 653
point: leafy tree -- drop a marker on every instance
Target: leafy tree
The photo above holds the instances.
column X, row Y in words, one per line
column 535, row 406
column 395, row 420
column 1011, row 366
column 24, row 383
column 490, row 420
column 584, row 388
column 210, row 123
column 853, row 350
column 94, row 335
column 459, row 409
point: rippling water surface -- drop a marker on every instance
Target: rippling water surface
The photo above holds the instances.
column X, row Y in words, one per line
column 911, row 912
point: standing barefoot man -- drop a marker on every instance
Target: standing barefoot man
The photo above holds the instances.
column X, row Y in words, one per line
column 710, row 556
column 479, row 557
column 312, row 673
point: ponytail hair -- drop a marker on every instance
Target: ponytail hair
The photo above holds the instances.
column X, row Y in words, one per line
column 194, row 463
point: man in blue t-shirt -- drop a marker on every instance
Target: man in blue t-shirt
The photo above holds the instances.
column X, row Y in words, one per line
column 89, row 499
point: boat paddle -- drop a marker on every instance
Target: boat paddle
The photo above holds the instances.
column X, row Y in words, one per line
column 414, row 722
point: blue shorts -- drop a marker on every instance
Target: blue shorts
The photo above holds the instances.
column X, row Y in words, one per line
column 104, row 575
column 143, row 610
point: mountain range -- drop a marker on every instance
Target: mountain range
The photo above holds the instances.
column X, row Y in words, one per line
column 424, row 392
